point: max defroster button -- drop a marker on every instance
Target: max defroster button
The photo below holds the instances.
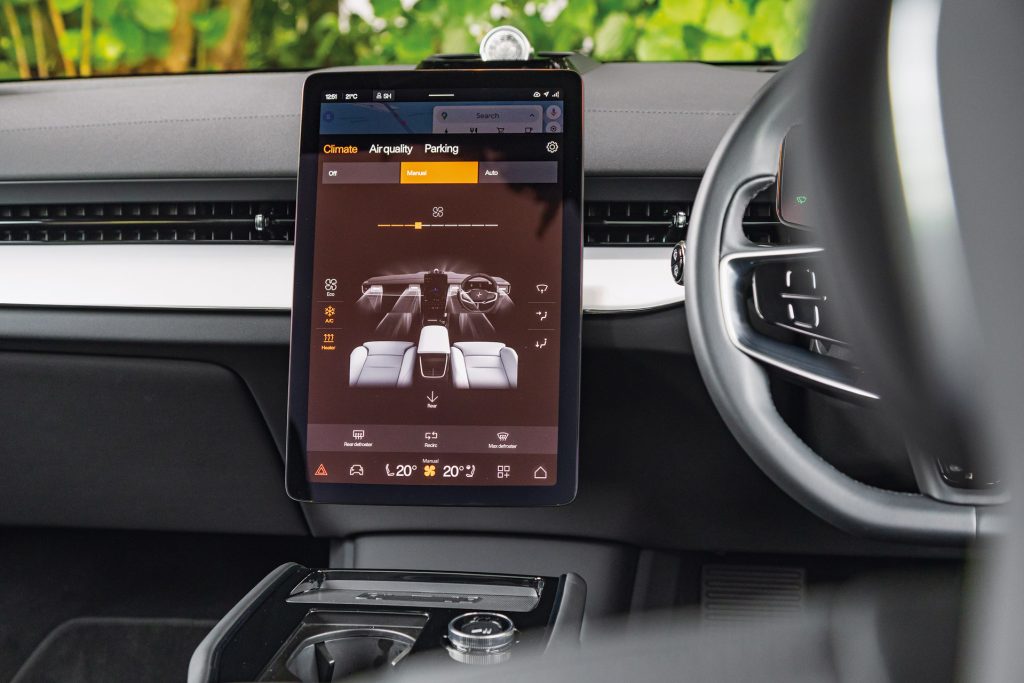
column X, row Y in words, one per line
column 481, row 638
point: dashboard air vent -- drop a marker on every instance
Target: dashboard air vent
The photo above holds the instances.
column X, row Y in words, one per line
column 653, row 224
column 761, row 219
column 634, row 224
column 223, row 222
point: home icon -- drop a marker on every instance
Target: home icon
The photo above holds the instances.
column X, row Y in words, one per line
column 540, row 473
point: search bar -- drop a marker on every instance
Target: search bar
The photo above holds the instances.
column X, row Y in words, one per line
column 513, row 118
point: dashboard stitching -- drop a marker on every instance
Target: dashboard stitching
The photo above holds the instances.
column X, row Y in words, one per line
column 151, row 122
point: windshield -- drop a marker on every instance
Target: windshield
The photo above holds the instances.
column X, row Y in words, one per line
column 75, row 38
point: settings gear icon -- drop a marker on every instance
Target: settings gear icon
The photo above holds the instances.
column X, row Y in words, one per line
column 552, row 147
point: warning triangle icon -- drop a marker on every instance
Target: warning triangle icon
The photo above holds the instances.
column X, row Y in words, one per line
column 321, row 471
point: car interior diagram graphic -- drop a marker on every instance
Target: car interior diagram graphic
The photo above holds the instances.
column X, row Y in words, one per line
column 436, row 327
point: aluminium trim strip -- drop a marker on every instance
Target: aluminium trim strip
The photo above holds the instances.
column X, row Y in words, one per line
column 259, row 277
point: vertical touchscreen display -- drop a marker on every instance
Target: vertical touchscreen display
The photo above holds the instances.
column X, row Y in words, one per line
column 439, row 245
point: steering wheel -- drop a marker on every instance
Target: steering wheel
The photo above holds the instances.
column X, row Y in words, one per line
column 734, row 357
column 478, row 293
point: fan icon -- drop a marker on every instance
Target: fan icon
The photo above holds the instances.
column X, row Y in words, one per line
column 429, row 470
column 552, row 147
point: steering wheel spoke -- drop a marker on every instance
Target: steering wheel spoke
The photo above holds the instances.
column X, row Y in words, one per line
column 776, row 305
column 776, row 289
column 752, row 307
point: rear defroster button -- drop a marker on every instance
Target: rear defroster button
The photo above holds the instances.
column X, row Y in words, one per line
column 481, row 638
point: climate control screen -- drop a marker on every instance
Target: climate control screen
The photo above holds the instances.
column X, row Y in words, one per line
column 438, row 257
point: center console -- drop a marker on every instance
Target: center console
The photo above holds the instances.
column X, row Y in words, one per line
column 313, row 626
column 438, row 258
column 433, row 351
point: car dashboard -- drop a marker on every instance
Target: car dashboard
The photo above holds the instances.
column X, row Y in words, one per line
column 146, row 229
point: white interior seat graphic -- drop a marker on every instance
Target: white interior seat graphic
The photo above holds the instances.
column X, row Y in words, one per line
column 382, row 364
column 484, row 365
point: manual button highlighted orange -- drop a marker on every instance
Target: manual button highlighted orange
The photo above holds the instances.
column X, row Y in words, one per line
column 439, row 172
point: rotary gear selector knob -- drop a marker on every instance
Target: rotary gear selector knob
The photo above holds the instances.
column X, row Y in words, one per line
column 481, row 638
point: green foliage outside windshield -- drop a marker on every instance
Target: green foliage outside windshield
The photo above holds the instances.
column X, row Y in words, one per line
column 47, row 38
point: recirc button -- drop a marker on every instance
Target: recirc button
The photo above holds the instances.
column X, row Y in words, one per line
column 439, row 172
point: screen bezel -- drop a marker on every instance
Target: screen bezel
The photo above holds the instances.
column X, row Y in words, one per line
column 563, row 491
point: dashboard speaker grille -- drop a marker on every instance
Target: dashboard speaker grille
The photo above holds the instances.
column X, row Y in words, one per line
column 226, row 222
column 731, row 593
